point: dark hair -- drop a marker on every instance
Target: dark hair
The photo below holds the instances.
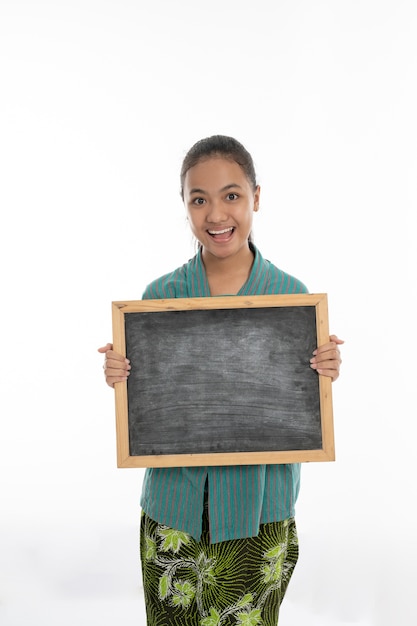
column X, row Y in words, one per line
column 218, row 146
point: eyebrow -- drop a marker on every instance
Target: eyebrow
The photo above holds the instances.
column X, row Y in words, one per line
column 225, row 188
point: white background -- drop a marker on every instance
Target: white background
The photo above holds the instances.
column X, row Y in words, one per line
column 99, row 101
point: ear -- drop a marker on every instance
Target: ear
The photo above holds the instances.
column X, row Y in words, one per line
column 256, row 198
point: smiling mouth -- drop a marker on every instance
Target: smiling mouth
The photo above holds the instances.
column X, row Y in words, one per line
column 223, row 234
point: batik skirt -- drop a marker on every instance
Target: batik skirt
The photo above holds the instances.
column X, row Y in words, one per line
column 195, row 583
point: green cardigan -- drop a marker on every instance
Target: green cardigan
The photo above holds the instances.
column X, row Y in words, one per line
column 240, row 498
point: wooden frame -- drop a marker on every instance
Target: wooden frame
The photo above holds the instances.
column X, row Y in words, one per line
column 315, row 303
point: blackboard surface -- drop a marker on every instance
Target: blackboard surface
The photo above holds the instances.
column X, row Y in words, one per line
column 222, row 380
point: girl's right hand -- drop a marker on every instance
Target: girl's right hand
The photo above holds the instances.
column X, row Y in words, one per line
column 116, row 366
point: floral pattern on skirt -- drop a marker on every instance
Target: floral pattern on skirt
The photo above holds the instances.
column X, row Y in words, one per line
column 232, row 583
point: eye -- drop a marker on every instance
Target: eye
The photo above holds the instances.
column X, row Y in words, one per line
column 198, row 201
column 232, row 196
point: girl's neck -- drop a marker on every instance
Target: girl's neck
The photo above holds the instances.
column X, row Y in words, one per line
column 227, row 275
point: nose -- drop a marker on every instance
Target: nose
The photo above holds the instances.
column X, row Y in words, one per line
column 217, row 212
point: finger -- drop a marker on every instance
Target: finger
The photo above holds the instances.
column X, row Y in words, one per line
column 116, row 367
column 106, row 348
column 325, row 363
column 116, row 374
column 331, row 373
column 111, row 380
column 332, row 346
column 332, row 354
column 327, row 368
column 336, row 339
column 114, row 359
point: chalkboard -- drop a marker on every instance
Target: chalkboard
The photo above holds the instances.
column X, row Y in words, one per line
column 221, row 381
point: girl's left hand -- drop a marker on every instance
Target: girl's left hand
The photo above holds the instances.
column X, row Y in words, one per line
column 326, row 359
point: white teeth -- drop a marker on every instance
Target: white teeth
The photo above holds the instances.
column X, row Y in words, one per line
column 220, row 232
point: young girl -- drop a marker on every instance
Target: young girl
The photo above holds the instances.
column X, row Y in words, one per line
column 219, row 544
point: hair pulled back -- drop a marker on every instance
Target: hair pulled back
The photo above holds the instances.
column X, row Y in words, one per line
column 220, row 146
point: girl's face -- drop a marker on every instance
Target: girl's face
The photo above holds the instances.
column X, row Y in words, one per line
column 220, row 202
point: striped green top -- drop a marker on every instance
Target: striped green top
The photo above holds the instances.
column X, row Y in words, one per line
column 240, row 498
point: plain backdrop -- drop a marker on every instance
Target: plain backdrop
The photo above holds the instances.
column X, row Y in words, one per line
column 99, row 102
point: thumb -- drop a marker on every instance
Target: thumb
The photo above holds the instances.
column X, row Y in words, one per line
column 106, row 348
column 336, row 339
